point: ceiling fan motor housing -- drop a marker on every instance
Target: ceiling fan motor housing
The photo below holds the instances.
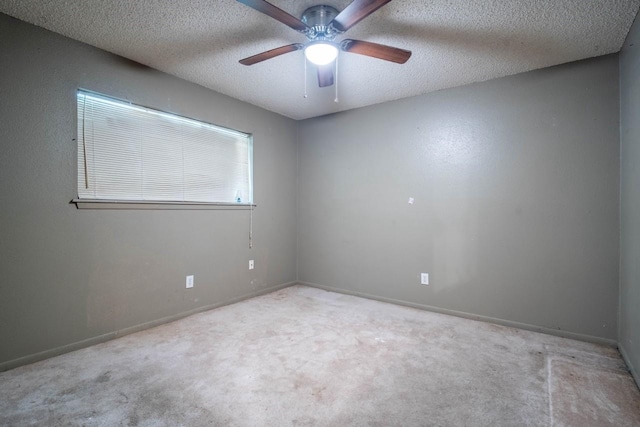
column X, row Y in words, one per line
column 318, row 19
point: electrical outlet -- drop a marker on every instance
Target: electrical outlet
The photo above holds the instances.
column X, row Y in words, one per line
column 251, row 265
column 190, row 281
column 424, row 278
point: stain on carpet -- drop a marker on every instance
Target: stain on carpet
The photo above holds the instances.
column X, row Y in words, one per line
column 588, row 389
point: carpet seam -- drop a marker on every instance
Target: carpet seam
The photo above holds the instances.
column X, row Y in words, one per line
column 551, row 422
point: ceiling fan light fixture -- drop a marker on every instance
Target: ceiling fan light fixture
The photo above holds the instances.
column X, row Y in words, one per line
column 321, row 53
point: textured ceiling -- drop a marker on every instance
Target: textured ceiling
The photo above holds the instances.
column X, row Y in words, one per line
column 454, row 42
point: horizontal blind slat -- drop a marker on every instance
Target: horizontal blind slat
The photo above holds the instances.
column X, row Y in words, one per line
column 135, row 153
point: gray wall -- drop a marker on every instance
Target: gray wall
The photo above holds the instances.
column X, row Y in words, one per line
column 70, row 275
column 629, row 334
column 516, row 211
column 515, row 216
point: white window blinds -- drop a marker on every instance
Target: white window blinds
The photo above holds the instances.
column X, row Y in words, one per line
column 129, row 152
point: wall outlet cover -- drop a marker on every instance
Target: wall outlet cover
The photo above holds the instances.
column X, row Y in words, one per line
column 424, row 278
column 190, row 281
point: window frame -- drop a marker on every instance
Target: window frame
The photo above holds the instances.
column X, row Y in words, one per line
column 119, row 204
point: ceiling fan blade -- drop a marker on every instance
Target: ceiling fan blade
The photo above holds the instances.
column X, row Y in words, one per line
column 325, row 75
column 271, row 54
column 277, row 14
column 375, row 50
column 355, row 12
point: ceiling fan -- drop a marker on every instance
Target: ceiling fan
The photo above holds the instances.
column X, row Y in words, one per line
column 321, row 24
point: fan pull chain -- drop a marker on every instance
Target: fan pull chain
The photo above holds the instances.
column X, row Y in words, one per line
column 305, row 76
column 336, row 98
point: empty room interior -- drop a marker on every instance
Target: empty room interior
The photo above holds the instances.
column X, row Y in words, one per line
column 204, row 223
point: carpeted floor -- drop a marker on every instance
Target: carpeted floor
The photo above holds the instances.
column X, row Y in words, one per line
column 307, row 357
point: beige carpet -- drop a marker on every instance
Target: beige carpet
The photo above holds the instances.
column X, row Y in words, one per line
column 306, row 357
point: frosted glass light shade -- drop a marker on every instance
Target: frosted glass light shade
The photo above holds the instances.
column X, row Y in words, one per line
column 321, row 53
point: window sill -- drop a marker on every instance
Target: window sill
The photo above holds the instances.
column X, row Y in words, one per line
column 145, row 204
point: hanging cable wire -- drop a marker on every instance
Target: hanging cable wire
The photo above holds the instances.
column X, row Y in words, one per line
column 251, row 225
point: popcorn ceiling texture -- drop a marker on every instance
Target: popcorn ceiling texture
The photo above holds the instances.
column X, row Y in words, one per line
column 454, row 42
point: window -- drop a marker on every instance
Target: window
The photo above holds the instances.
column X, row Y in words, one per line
column 131, row 153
